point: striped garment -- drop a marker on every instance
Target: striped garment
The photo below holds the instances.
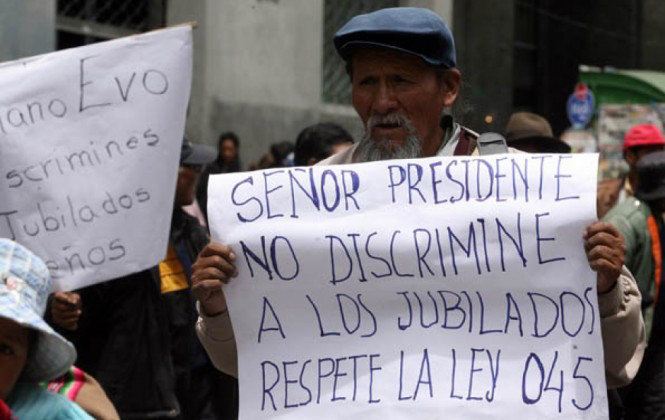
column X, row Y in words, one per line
column 67, row 385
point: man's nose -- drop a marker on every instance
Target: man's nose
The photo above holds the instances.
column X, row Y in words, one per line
column 385, row 100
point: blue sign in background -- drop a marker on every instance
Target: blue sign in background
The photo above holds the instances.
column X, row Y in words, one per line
column 580, row 107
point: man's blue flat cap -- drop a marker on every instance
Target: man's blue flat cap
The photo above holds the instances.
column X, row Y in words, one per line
column 412, row 30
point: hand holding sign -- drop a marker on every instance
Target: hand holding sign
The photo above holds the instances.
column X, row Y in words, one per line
column 605, row 251
column 214, row 265
column 66, row 309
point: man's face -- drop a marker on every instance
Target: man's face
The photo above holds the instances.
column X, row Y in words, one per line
column 391, row 89
column 635, row 153
column 227, row 150
column 184, row 193
column 13, row 354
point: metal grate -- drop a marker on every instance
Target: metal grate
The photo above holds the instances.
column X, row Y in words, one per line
column 336, row 87
column 525, row 56
column 106, row 19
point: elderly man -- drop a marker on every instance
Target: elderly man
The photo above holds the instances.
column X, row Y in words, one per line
column 401, row 63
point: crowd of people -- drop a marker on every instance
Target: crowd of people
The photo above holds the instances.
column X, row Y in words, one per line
column 159, row 343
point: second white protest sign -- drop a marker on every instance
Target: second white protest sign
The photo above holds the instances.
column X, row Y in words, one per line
column 90, row 140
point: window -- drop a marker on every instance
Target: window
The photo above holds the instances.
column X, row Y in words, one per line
column 336, row 87
column 525, row 56
column 81, row 22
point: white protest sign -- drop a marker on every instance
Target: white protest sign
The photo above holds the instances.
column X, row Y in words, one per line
column 423, row 288
column 90, row 140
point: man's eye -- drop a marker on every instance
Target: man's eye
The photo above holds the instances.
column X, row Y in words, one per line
column 367, row 81
column 6, row 350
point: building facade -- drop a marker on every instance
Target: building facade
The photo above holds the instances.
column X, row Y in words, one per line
column 267, row 68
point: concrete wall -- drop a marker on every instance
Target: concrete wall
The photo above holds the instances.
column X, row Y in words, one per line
column 27, row 27
column 443, row 8
column 269, row 51
column 264, row 69
column 194, row 11
column 257, row 70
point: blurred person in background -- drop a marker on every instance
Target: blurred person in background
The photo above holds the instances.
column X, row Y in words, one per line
column 639, row 219
column 639, row 141
column 203, row 392
column 136, row 333
column 227, row 161
column 279, row 155
column 532, row 133
column 320, row 141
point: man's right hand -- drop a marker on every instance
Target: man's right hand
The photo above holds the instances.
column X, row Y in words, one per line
column 66, row 310
column 213, row 266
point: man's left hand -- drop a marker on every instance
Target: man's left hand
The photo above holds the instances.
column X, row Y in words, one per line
column 605, row 251
column 66, row 310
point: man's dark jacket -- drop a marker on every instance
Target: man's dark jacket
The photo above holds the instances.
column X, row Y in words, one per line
column 123, row 341
column 130, row 336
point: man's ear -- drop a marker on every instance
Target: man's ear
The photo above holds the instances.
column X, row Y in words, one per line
column 452, row 80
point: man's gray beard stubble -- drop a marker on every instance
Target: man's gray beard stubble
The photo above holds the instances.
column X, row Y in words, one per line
column 370, row 150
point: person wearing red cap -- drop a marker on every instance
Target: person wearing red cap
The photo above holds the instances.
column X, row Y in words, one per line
column 639, row 141
column 639, row 218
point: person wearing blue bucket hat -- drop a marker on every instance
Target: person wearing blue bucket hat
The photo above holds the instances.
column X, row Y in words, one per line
column 30, row 351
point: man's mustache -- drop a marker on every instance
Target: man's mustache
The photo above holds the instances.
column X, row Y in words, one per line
column 388, row 119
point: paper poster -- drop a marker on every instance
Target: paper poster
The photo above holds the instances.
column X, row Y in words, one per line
column 90, row 140
column 414, row 288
